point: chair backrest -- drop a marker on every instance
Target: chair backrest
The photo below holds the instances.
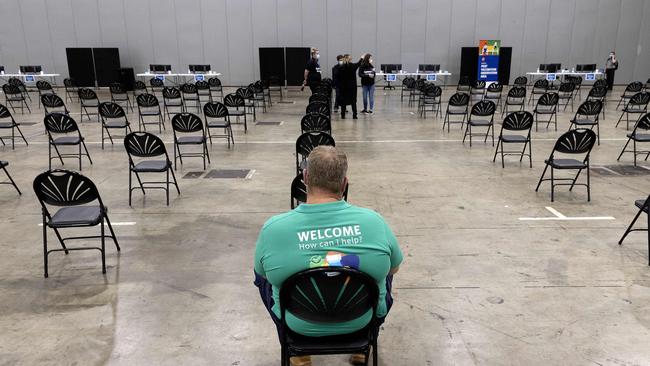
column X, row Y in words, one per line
column 87, row 94
column 144, row 145
column 43, row 85
column 329, row 295
column 309, row 140
column 495, row 88
column 578, row 141
column 64, row 188
column 139, row 85
column 634, row 87
column 147, row 100
column 640, row 99
column 463, row 81
column 548, row 99
column 590, row 108
column 316, row 122
column 245, row 93
column 11, row 89
column 541, row 84
column 408, row 82
column 202, row 85
column 52, row 101
column 643, row 122
column 187, row 122
column 189, row 89
column 16, row 82
column 518, row 121
column 317, row 107
column 319, row 98
column 171, row 93
column 598, row 92
column 521, row 81
column 479, row 84
column 517, row 92
column 69, row 83
column 4, row 112
column 156, row 83
column 111, row 110
column 432, row 91
column 117, row 88
column 298, row 190
column 214, row 82
column 215, row 110
column 483, row 108
column 600, row 83
column 233, row 100
column 60, row 123
column 459, row 99
column 567, row 87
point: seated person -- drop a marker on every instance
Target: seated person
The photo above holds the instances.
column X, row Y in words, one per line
column 292, row 242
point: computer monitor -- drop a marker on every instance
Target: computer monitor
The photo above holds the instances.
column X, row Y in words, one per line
column 199, row 68
column 30, row 69
column 429, row 68
column 155, row 68
column 2, row 69
column 553, row 67
column 543, row 67
column 391, row 77
column 199, row 77
column 397, row 68
column 432, row 77
column 589, row 67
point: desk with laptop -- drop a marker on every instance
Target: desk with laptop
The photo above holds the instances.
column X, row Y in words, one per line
column 553, row 72
column 391, row 73
column 164, row 73
column 29, row 75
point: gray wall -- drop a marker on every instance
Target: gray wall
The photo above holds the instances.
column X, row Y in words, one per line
column 227, row 33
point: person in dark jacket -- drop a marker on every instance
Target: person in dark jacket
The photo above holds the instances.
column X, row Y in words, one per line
column 335, row 81
column 312, row 71
column 347, row 80
column 611, row 65
column 367, row 74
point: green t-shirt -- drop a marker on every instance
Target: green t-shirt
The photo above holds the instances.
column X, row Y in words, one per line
column 326, row 234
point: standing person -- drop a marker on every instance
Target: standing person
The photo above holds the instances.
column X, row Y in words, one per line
column 312, row 71
column 367, row 74
column 348, row 85
column 611, row 65
column 335, row 81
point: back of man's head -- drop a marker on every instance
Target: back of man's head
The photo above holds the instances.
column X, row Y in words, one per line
column 326, row 171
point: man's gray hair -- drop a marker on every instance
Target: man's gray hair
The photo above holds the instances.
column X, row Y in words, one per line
column 326, row 169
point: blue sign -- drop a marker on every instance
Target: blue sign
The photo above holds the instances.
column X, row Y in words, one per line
column 590, row 77
column 432, row 77
column 391, row 77
column 199, row 77
column 551, row 77
column 160, row 77
column 488, row 60
column 29, row 79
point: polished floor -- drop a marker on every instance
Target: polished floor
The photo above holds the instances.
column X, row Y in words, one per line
column 479, row 285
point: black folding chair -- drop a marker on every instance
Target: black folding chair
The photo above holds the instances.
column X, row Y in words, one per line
column 408, row 83
column 630, row 91
column 249, row 104
column 21, row 86
column 188, row 123
column 63, row 124
column 520, row 121
column 7, row 121
column 457, row 106
column 315, row 122
column 149, row 112
column 565, row 94
column 587, row 116
column 477, row 91
column 190, row 95
column 88, row 103
column 258, row 95
column 234, row 102
column 493, row 93
column 516, row 97
column 52, row 103
column 540, row 87
column 3, row 165
column 431, row 100
column 521, row 81
column 547, row 106
column 156, row 85
column 203, row 90
column 647, row 86
column 574, row 142
column 637, row 105
column 71, row 89
column 172, row 101
column 329, row 295
column 217, row 117
column 13, row 96
column 481, row 115
column 139, row 87
column 642, row 205
column 44, row 88
column 598, row 93
column 120, row 96
column 464, row 85
column 318, row 107
column 142, row 145
column 307, row 142
column 299, row 191
column 72, row 192
column 113, row 118
column 215, row 88
column 643, row 124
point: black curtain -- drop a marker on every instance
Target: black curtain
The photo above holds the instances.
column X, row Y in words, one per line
column 296, row 59
column 272, row 64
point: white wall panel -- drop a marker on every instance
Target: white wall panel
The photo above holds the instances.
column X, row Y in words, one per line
column 511, row 32
column 37, row 34
column 339, row 28
column 86, row 20
column 463, row 21
column 315, row 31
column 642, row 67
column 535, row 34
column 560, row 25
column 606, row 28
column 240, row 41
column 583, row 35
column 488, row 14
column 290, row 23
column 12, row 40
column 138, row 34
column 438, row 32
column 61, row 32
column 389, row 32
column 215, row 37
column 189, row 33
column 265, row 30
column 364, row 29
column 414, row 24
column 113, row 27
column 164, row 33
column 627, row 40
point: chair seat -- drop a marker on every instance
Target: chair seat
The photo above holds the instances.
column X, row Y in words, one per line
column 639, row 204
column 215, row 124
column 236, row 112
column 15, row 99
column 150, row 113
column 116, row 124
column 480, row 122
column 67, row 140
column 584, row 122
column 91, row 103
column 634, row 110
column 566, row 164
column 188, row 140
column 345, row 343
column 639, row 137
column 76, row 216
column 8, row 124
column 174, row 103
column 514, row 138
column 151, row 166
column 544, row 111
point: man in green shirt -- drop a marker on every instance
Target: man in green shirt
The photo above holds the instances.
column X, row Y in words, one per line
column 325, row 231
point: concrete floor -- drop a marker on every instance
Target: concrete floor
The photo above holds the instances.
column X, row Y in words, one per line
column 478, row 286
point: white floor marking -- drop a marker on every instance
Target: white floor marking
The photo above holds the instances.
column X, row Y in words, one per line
column 561, row 217
column 124, row 223
column 250, row 174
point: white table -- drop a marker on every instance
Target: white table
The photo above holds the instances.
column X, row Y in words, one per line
column 178, row 76
column 52, row 77
column 540, row 74
column 445, row 74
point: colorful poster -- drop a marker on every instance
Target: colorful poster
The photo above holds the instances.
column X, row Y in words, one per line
column 488, row 60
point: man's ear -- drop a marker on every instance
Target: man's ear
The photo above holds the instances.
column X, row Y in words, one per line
column 345, row 184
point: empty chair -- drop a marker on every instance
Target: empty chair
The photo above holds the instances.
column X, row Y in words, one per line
column 587, row 116
column 216, row 89
column 481, row 115
column 493, row 93
column 139, row 87
column 477, row 91
column 408, row 83
column 186, row 126
column 316, row 122
column 630, row 91
column 14, row 96
column 275, row 85
column 3, row 165
column 577, row 81
column 517, row 126
column 71, row 89
column 516, row 97
column 322, row 98
column 464, row 84
column 149, row 112
column 521, row 81
column 172, row 101
column 266, row 91
column 120, row 96
column 539, row 88
column 203, row 90
column 319, row 295
column 457, row 106
column 113, row 118
column 547, row 106
column 640, row 134
column 52, row 103
column 89, row 102
column 81, row 206
column 190, row 95
column 417, row 90
column 318, row 107
column 21, row 86
column 236, row 107
column 565, row 94
column 574, row 142
column 642, row 205
column 258, row 95
column 7, row 122
column 637, row 105
column 431, row 100
column 598, row 93
column 216, row 117
column 249, row 104
column 143, row 148
column 44, row 88
column 307, row 142
column 156, row 85
column 57, row 124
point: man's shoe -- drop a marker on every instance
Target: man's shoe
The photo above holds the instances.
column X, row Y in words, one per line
column 370, row 112
column 300, row 361
column 358, row 359
column 354, row 117
column 364, row 111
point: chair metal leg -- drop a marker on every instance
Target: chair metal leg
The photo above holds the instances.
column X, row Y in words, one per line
column 45, row 247
column 541, row 178
column 103, row 240
column 11, row 180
